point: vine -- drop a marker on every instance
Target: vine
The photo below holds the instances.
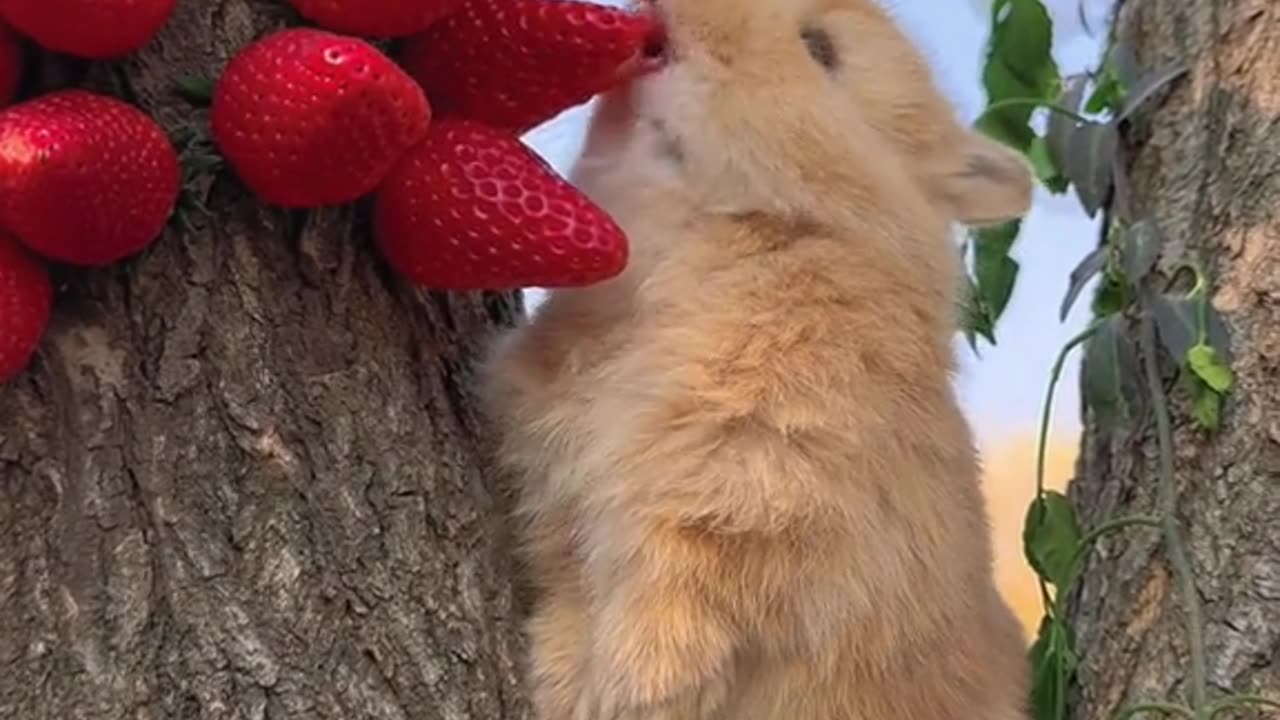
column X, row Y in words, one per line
column 1140, row 316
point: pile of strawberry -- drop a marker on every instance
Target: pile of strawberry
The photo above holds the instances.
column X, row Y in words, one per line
column 317, row 116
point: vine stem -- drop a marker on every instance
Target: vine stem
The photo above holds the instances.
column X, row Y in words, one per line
column 1167, row 500
column 1112, row 525
column 1155, row 707
column 1235, row 701
column 1060, row 597
column 1052, row 605
column 1086, row 542
column 1046, row 415
column 1046, row 410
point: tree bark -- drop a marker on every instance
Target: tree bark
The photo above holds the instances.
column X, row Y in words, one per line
column 1205, row 163
column 244, row 477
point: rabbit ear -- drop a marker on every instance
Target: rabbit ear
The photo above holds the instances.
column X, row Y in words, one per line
column 986, row 183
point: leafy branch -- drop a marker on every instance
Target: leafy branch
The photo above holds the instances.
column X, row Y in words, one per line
column 1081, row 148
column 1077, row 148
column 1054, row 544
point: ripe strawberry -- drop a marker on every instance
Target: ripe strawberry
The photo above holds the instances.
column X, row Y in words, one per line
column 473, row 208
column 379, row 18
column 10, row 64
column 96, row 29
column 310, row 118
column 515, row 64
column 84, row 178
column 26, row 298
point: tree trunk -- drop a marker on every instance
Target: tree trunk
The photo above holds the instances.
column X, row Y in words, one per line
column 1204, row 163
column 243, row 477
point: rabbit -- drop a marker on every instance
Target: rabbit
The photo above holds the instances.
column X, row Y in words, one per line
column 746, row 488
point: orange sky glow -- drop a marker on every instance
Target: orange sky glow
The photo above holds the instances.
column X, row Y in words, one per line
column 1009, row 485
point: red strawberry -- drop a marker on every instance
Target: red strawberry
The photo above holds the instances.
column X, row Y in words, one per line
column 84, row 178
column 97, row 29
column 473, row 208
column 10, row 64
column 515, row 64
column 309, row 118
column 26, row 298
column 380, row 18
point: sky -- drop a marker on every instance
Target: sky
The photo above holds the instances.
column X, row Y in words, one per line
column 1002, row 387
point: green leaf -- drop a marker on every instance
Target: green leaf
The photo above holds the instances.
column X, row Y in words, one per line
column 998, row 276
column 1117, row 74
column 1008, row 126
column 1022, row 40
column 1110, row 373
column 1046, row 170
column 1205, row 363
column 1019, row 64
column 997, row 239
column 1147, row 86
column 976, row 321
column 1113, row 296
column 1206, row 405
column 995, row 272
column 1215, row 331
column 1061, row 126
column 1141, row 249
column 1177, row 324
column 1106, row 95
column 1185, row 322
column 1053, row 665
column 1090, row 266
column 1123, row 63
column 1050, row 537
column 1090, row 163
column 1044, row 672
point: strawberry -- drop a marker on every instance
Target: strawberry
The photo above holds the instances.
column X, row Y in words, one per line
column 84, row 178
column 10, row 64
column 26, row 298
column 96, row 29
column 379, row 18
column 309, row 118
column 473, row 208
column 515, row 64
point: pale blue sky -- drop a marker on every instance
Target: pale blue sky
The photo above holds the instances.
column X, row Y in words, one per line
column 1003, row 388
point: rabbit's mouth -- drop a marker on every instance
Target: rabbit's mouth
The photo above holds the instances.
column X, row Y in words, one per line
column 654, row 54
column 657, row 48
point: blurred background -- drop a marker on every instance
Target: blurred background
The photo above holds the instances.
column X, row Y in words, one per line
column 1002, row 387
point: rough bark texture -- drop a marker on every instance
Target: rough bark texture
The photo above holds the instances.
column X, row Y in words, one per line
column 243, row 479
column 1206, row 164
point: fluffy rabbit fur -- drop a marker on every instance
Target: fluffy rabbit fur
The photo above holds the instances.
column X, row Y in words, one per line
column 747, row 490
